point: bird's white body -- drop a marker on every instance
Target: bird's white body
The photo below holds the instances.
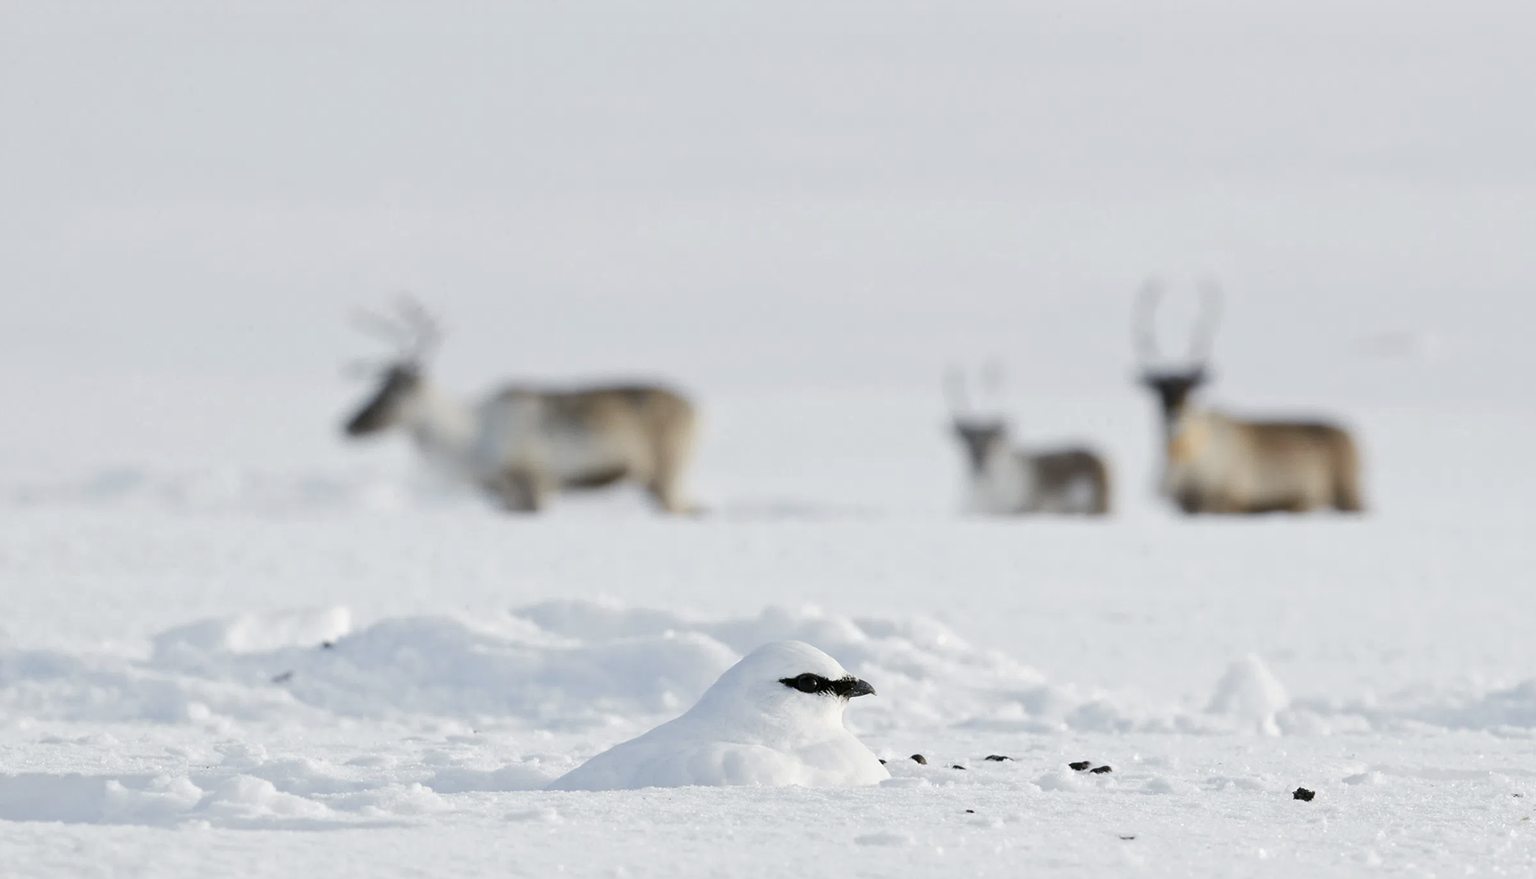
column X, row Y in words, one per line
column 749, row 728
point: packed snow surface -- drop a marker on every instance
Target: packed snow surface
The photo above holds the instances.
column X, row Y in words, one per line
column 234, row 645
column 432, row 735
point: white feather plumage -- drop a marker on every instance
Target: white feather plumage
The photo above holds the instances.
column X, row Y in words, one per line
column 749, row 728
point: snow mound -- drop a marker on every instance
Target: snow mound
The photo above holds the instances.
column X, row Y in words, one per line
column 1505, row 710
column 443, row 667
column 250, row 633
column 584, row 665
column 927, row 675
column 555, row 665
column 1250, row 694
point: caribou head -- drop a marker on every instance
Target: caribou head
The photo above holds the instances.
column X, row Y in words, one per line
column 981, row 432
column 1174, row 383
column 414, row 335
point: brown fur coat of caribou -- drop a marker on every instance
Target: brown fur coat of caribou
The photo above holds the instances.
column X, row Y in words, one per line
column 1007, row 480
column 524, row 445
column 1215, row 463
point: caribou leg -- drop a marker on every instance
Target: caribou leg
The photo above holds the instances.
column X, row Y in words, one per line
column 673, row 448
column 517, row 491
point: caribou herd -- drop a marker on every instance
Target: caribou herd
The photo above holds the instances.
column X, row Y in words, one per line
column 522, row 445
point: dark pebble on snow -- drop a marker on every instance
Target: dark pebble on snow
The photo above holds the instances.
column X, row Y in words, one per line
column 882, row 762
column 997, row 758
column 957, row 766
column 1100, row 770
column 1080, row 765
column 919, row 758
column 1302, row 793
column 970, row 811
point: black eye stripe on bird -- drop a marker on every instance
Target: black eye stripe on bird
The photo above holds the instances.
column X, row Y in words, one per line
column 846, row 687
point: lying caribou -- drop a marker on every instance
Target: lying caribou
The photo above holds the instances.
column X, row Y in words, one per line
column 524, row 445
column 1219, row 464
column 1005, row 480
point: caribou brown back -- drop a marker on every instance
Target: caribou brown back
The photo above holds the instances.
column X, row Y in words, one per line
column 664, row 423
column 647, row 429
column 605, row 406
column 1055, row 473
column 1296, row 446
column 666, row 417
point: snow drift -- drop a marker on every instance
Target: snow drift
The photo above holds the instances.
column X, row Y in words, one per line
column 593, row 665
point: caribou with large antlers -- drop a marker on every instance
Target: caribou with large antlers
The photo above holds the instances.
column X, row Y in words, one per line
column 523, row 445
column 1219, row 464
column 1006, row 480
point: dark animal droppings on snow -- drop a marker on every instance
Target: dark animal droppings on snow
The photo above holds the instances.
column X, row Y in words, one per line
column 957, row 766
column 1100, row 770
column 1079, row 766
column 997, row 758
column 919, row 758
column 970, row 811
column 1302, row 793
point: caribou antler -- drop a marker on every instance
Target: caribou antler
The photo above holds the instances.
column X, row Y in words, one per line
column 955, row 391
column 1144, row 323
column 411, row 330
column 1206, row 324
column 993, row 377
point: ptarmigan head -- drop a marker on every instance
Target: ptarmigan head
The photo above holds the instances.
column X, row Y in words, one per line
column 785, row 686
column 774, row 718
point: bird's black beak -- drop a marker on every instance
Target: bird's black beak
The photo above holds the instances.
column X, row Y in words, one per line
column 850, row 686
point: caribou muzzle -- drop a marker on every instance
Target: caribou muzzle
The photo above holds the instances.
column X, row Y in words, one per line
column 372, row 418
column 400, row 383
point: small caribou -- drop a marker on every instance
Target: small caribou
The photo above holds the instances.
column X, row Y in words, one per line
column 1005, row 480
column 1219, row 464
column 523, row 445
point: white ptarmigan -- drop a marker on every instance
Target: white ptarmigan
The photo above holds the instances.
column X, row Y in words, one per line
column 774, row 718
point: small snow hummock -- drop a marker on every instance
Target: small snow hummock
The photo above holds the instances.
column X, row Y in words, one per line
column 774, row 718
column 1250, row 693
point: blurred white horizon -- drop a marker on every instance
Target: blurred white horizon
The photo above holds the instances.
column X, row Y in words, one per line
column 751, row 199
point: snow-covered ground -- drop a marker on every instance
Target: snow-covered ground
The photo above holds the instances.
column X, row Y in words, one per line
column 233, row 645
column 472, row 660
